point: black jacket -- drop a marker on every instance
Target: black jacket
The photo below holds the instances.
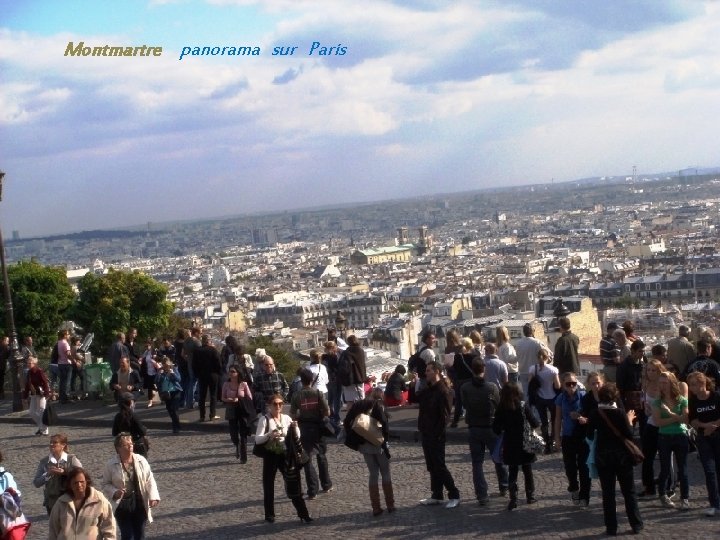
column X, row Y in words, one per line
column 435, row 405
column 480, row 400
column 205, row 362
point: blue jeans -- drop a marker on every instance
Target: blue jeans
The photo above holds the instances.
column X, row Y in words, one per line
column 335, row 401
column 65, row 370
column 482, row 439
column 188, row 385
column 677, row 444
column 54, row 375
column 709, row 453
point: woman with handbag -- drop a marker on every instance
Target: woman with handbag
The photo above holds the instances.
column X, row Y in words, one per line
column 170, row 390
column 543, row 387
column 236, row 395
column 126, row 422
column 511, row 416
column 670, row 414
column 609, row 426
column 128, row 482
column 377, row 456
column 271, row 443
column 704, row 416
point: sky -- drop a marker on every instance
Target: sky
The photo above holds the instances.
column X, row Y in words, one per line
column 429, row 97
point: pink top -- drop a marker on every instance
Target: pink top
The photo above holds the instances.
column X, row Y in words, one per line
column 63, row 352
column 231, row 391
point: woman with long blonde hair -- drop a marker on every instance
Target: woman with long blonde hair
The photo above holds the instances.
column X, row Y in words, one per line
column 649, row 435
column 670, row 414
column 506, row 353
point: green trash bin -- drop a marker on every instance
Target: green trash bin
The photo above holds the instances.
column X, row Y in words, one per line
column 97, row 379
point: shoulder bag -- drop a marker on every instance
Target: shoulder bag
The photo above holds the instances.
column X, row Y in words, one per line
column 635, row 453
column 532, row 443
column 368, row 428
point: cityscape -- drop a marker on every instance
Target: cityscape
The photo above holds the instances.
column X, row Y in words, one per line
column 642, row 248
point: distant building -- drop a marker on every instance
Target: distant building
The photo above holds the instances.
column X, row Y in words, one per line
column 382, row 255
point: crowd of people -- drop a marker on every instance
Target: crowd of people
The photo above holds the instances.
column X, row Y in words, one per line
column 504, row 393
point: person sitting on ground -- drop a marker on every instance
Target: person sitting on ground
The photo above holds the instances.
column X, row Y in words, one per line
column 395, row 387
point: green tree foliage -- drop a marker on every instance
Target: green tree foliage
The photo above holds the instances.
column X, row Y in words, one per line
column 41, row 297
column 119, row 300
column 285, row 363
column 406, row 308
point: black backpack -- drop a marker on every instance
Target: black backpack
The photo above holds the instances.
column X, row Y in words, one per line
column 344, row 374
column 417, row 364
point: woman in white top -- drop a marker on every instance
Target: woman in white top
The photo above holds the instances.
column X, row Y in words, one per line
column 320, row 373
column 506, row 353
column 273, row 427
column 544, row 398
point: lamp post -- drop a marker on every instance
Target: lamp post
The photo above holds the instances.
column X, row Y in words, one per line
column 340, row 323
column 16, row 358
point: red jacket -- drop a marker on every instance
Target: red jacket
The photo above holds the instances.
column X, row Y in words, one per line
column 36, row 380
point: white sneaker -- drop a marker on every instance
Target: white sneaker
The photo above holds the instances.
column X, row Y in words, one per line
column 46, row 431
column 430, row 501
column 710, row 512
column 684, row 504
column 453, row 503
column 666, row 502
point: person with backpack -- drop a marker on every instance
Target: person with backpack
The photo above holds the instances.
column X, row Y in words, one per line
column 352, row 370
column 13, row 523
column 52, row 470
column 308, row 407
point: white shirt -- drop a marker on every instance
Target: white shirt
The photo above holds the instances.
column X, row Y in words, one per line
column 321, row 377
column 507, row 354
column 547, row 376
column 527, row 353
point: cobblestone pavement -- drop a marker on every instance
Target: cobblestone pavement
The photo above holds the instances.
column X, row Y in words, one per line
column 206, row 493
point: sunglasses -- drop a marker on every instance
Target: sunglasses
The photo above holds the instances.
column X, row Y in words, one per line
column 570, row 384
column 278, row 403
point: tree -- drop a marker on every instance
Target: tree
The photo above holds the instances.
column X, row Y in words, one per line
column 41, row 297
column 284, row 361
column 119, row 300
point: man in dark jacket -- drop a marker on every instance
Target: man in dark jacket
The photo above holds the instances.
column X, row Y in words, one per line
column 359, row 370
column 629, row 380
column 481, row 400
column 435, row 405
column 566, row 349
column 207, row 367
column 308, row 407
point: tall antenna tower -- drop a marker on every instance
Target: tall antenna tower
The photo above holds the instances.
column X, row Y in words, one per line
column 634, row 175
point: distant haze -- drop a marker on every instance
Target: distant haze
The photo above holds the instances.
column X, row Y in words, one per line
column 429, row 97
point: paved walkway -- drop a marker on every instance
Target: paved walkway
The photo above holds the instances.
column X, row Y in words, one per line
column 206, row 493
